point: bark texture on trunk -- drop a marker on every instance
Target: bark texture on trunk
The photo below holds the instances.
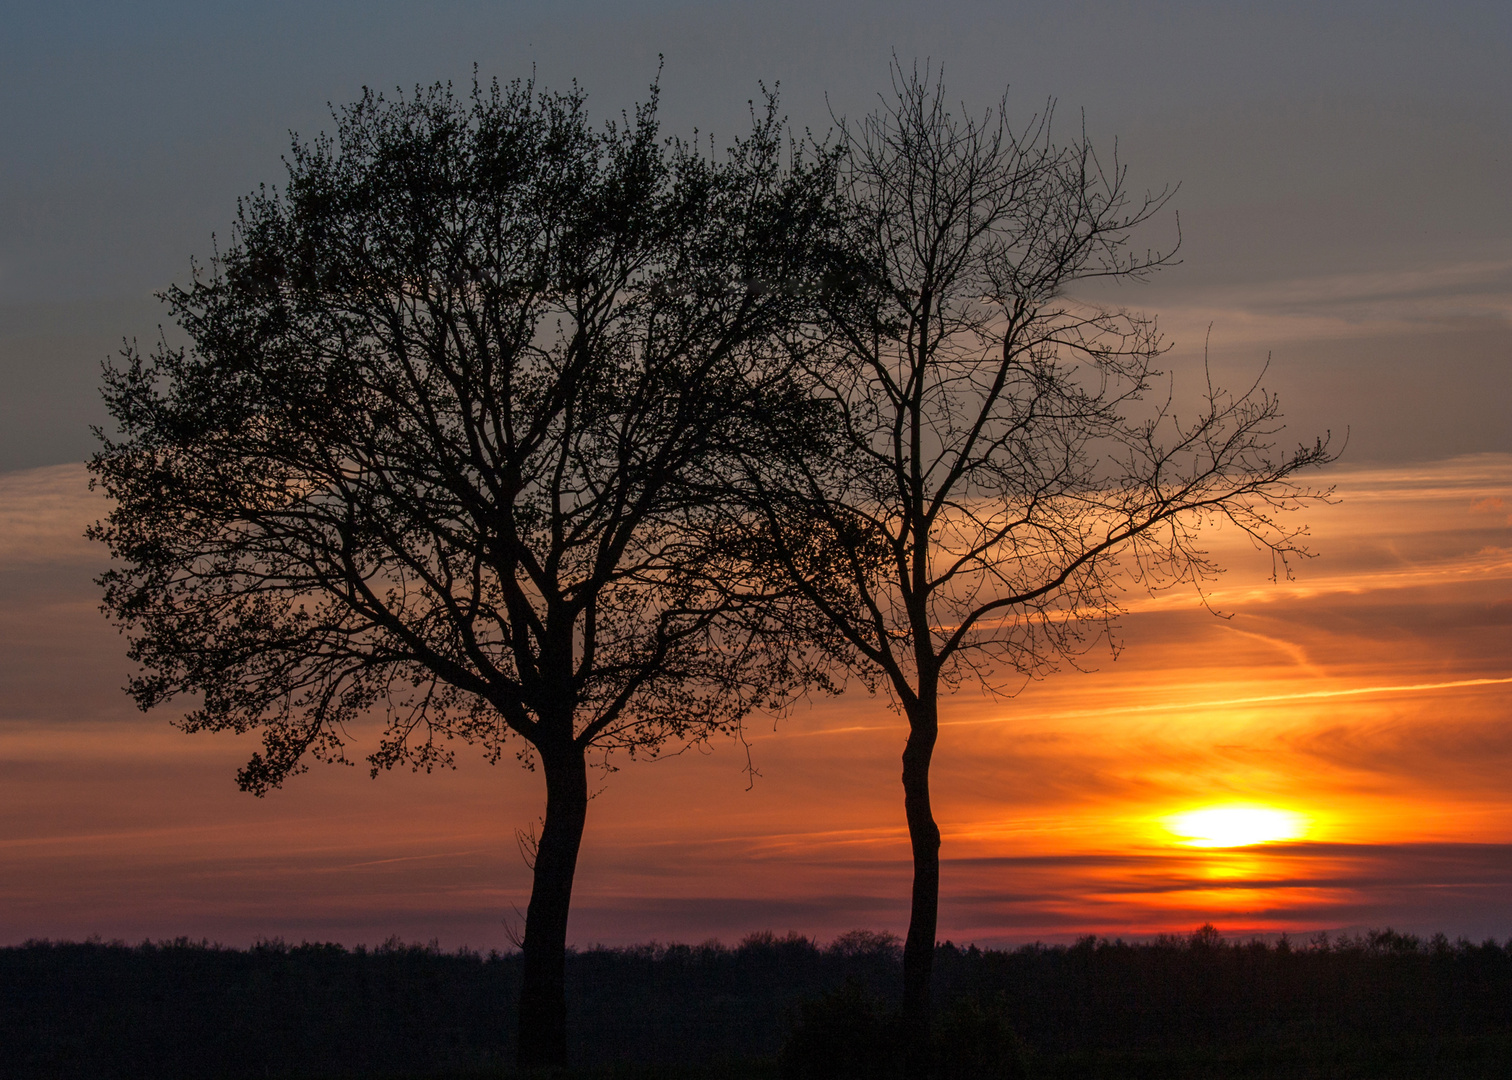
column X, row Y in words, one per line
column 924, row 834
column 543, row 989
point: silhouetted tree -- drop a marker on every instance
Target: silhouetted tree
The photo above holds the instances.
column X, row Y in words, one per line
column 443, row 449
column 1002, row 462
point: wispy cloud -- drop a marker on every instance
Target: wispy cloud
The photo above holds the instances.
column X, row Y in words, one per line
column 43, row 515
column 1372, row 694
column 1343, row 305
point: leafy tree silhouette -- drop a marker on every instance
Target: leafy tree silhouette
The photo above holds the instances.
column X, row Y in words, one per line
column 460, row 398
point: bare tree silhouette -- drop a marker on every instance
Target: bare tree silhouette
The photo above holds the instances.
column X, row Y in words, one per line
column 1006, row 460
column 459, row 401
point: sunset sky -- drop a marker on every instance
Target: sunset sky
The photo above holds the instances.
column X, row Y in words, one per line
column 1346, row 218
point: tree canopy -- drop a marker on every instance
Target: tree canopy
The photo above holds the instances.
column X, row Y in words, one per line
column 446, row 445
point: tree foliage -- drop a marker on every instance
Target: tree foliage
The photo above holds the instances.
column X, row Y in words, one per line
column 447, row 443
column 456, row 399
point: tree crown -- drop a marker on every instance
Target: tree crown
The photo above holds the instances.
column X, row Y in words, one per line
column 446, row 439
column 1007, row 457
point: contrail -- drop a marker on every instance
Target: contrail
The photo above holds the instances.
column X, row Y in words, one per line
column 1301, row 695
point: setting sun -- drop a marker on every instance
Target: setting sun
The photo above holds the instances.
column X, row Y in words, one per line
column 1235, row 826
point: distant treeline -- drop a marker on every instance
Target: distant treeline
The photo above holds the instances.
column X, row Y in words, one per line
column 1374, row 1005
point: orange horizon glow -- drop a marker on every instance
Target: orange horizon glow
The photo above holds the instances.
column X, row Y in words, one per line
column 1347, row 733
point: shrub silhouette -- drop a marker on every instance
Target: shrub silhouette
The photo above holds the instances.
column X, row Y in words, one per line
column 846, row 1034
column 974, row 1041
column 850, row 1033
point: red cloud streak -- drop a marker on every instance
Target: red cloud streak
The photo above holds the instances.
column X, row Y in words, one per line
column 1372, row 694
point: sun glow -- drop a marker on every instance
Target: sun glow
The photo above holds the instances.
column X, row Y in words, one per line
column 1235, row 826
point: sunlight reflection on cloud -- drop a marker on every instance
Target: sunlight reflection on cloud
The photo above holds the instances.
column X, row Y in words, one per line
column 1373, row 694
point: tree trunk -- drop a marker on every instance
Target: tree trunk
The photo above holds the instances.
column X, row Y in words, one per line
column 924, row 834
column 543, row 989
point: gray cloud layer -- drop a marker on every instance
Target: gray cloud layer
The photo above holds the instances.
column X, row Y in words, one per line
column 1341, row 166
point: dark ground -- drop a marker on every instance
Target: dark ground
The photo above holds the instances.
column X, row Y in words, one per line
column 1377, row 1007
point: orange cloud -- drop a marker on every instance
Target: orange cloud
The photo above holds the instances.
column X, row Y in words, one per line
column 1371, row 695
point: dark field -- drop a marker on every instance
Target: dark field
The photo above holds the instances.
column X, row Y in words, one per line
column 1379, row 1006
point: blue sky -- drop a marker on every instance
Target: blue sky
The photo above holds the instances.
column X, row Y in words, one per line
column 1311, row 141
